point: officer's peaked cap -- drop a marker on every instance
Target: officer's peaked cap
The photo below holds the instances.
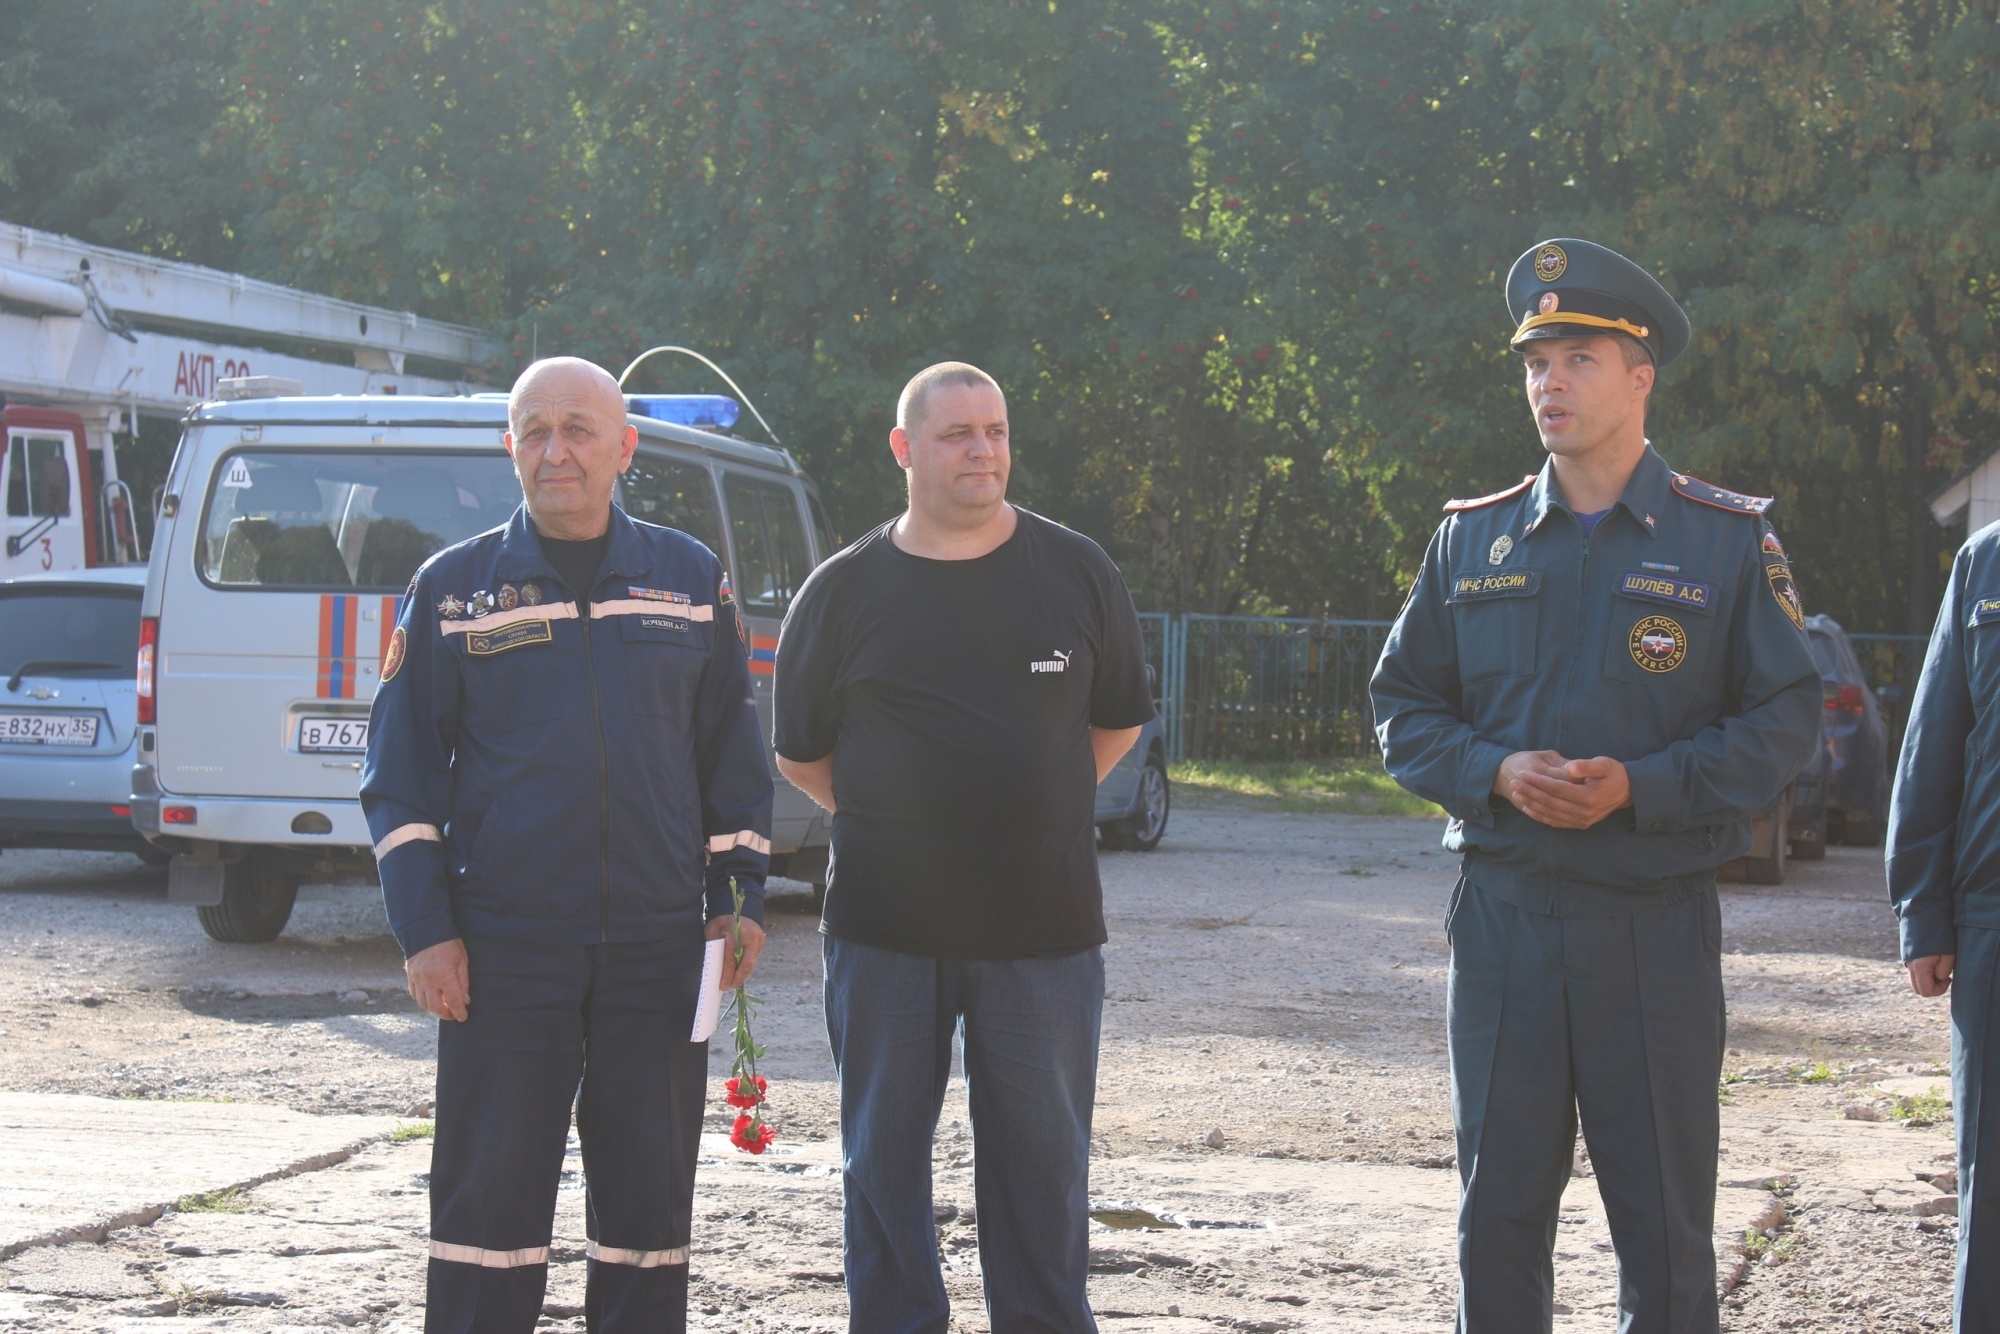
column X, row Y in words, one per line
column 1568, row 288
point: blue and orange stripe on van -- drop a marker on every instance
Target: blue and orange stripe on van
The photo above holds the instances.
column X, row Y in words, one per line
column 763, row 655
column 340, row 641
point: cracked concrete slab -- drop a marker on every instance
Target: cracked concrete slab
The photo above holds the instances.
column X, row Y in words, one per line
column 73, row 1168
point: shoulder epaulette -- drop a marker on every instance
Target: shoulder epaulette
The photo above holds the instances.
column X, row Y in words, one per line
column 1735, row 501
column 1453, row 506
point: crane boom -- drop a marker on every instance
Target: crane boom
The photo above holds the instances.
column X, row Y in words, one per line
column 92, row 338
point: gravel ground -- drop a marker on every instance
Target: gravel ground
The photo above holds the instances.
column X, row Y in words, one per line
column 1276, row 978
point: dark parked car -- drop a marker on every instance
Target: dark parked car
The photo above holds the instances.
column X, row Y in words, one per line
column 1857, row 739
column 1792, row 826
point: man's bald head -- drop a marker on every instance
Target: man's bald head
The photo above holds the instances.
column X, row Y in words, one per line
column 567, row 376
column 569, row 437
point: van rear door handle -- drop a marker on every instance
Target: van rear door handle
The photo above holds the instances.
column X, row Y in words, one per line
column 340, row 764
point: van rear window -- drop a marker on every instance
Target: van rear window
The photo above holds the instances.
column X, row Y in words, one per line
column 318, row 519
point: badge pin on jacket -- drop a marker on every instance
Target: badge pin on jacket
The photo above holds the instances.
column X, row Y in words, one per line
column 1498, row 552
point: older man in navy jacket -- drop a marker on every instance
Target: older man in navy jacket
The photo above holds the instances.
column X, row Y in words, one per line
column 565, row 774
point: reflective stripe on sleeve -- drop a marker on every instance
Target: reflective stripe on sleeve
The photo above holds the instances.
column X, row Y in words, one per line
column 742, row 838
column 615, row 1255
column 647, row 607
column 485, row 1259
column 406, row 833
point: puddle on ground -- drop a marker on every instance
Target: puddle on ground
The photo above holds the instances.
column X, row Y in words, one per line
column 1131, row 1218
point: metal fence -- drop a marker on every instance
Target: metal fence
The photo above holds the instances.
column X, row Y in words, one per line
column 1289, row 688
column 1264, row 687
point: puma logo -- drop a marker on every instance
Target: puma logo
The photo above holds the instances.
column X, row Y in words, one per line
column 1060, row 662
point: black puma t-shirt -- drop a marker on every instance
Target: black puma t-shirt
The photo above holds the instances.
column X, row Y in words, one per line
column 957, row 697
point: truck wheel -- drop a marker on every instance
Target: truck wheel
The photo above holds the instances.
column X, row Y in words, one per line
column 1809, row 840
column 1771, row 870
column 257, row 897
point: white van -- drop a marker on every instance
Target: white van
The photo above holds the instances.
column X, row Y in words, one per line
column 287, row 534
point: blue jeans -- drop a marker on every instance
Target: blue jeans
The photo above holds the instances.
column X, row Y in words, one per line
column 1030, row 1028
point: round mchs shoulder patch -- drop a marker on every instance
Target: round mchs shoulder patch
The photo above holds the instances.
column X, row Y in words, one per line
column 1658, row 644
column 392, row 661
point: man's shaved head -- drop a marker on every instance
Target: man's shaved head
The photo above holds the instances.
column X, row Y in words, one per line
column 917, row 393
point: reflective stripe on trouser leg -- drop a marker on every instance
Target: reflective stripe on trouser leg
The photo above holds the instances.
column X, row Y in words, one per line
column 614, row 1255
column 485, row 1259
column 639, row 1120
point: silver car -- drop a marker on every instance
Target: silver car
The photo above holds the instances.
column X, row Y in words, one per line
column 1134, row 799
column 68, row 713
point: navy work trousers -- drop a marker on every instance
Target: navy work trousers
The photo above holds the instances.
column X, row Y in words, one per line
column 1031, row 1029
column 1975, row 1095
column 545, row 1021
column 1617, row 1018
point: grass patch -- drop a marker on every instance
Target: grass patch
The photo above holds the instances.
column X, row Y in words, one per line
column 1924, row 1109
column 1331, row 787
column 403, row 1134
column 1819, row 1072
column 190, row 1300
column 229, row 1201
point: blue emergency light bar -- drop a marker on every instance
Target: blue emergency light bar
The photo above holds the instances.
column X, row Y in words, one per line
column 717, row 412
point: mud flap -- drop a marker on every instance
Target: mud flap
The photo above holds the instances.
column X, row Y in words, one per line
column 194, row 884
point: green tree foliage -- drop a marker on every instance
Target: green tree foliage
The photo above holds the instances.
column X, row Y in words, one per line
column 1238, row 266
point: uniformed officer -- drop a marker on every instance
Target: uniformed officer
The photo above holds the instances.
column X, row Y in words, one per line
column 1944, row 879
column 563, row 736
column 1600, row 674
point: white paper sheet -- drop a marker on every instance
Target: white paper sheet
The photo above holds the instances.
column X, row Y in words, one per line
column 708, row 1005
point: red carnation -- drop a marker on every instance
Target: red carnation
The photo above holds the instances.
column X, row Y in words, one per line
column 751, row 1135
column 746, row 1088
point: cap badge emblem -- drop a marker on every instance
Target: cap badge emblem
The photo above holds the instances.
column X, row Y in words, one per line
column 1549, row 302
column 1551, row 262
column 1498, row 551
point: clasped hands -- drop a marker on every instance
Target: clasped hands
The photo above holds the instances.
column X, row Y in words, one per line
column 1560, row 793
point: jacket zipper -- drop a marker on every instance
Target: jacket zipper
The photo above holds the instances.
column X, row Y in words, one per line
column 1547, row 858
column 603, row 790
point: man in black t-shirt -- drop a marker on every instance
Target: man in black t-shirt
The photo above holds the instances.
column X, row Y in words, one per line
column 952, row 687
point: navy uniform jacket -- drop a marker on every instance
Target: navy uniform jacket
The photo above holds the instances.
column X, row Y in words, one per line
column 1671, row 640
column 1944, row 819
column 532, row 775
